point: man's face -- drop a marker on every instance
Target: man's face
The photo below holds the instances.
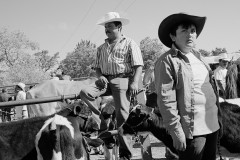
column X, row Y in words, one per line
column 223, row 63
column 111, row 30
column 185, row 37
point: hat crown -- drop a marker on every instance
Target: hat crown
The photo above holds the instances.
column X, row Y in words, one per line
column 111, row 15
column 21, row 85
column 224, row 56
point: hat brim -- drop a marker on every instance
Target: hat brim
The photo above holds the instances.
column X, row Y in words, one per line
column 225, row 59
column 171, row 21
column 124, row 21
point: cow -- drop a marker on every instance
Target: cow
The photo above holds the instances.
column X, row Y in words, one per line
column 51, row 88
column 17, row 137
column 147, row 119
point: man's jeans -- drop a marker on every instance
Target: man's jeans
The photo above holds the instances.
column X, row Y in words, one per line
column 118, row 87
column 202, row 147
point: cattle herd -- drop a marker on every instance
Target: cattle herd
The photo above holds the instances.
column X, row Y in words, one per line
column 65, row 135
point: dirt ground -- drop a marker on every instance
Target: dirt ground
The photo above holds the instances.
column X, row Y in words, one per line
column 158, row 152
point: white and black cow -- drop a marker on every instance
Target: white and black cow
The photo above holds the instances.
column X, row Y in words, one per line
column 17, row 138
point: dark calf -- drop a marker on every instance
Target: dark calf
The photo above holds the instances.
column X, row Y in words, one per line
column 231, row 122
column 144, row 118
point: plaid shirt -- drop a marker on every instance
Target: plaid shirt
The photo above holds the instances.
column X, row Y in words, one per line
column 119, row 59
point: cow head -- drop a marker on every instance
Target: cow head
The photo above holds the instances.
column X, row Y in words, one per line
column 81, row 109
column 138, row 120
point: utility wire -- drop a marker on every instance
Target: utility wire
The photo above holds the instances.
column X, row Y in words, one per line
column 130, row 5
column 67, row 41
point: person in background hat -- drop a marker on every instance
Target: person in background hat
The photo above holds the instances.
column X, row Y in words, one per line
column 20, row 111
column 220, row 74
column 187, row 97
column 118, row 66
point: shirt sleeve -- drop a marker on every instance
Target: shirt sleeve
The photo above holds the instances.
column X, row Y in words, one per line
column 218, row 75
column 21, row 96
column 136, row 55
column 167, row 103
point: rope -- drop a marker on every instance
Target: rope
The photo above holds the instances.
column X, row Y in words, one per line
column 219, row 149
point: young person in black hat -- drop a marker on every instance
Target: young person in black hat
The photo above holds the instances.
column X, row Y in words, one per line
column 187, row 96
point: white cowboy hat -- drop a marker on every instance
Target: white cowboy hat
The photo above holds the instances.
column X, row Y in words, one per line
column 21, row 85
column 112, row 17
column 224, row 56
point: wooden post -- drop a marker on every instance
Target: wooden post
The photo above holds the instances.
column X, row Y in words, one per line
column 145, row 147
column 145, row 139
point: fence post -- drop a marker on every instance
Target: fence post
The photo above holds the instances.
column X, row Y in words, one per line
column 146, row 147
column 145, row 139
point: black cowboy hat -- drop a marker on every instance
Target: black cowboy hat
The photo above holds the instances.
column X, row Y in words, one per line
column 171, row 21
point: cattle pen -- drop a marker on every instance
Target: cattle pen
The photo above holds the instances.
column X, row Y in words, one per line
column 158, row 149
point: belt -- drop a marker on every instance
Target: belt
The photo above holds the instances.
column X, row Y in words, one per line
column 120, row 75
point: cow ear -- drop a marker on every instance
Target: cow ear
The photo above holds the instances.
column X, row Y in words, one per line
column 77, row 110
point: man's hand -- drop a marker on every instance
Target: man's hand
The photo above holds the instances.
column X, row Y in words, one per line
column 179, row 140
column 102, row 82
column 133, row 88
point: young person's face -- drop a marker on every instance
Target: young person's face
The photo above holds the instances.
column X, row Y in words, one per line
column 185, row 37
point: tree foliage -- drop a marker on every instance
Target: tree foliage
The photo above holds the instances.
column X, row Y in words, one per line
column 45, row 61
column 79, row 62
column 151, row 49
column 218, row 51
column 205, row 53
column 12, row 44
column 26, row 69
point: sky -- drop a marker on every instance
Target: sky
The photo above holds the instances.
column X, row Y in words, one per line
column 58, row 25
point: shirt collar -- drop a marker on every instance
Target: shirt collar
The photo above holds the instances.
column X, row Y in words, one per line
column 120, row 40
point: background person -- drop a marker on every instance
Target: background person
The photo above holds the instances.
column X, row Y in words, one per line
column 5, row 97
column 21, row 112
column 118, row 66
column 220, row 74
column 187, row 97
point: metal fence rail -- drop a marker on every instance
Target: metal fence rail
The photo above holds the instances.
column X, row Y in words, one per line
column 37, row 101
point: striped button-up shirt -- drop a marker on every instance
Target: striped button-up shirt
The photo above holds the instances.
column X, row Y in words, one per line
column 118, row 59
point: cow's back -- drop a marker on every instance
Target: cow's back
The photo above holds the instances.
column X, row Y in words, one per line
column 52, row 88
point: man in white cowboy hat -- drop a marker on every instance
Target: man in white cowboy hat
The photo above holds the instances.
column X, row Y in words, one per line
column 20, row 111
column 118, row 66
column 220, row 74
column 186, row 94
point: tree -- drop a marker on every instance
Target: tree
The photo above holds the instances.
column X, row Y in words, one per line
column 26, row 69
column 45, row 61
column 12, row 44
column 205, row 53
column 79, row 62
column 151, row 50
column 218, row 51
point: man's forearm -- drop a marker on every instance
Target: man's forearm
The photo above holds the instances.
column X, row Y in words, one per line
column 98, row 72
column 220, row 85
column 138, row 72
